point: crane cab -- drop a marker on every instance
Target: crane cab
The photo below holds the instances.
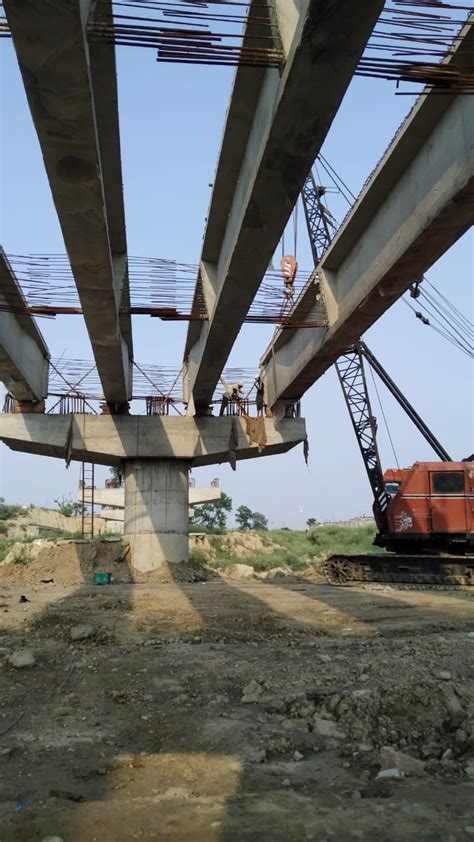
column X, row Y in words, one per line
column 431, row 507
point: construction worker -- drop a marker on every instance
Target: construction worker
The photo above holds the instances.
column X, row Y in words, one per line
column 259, row 399
column 289, row 268
column 233, row 394
column 236, row 391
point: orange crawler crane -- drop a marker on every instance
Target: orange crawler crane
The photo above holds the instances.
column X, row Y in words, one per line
column 432, row 505
column 424, row 514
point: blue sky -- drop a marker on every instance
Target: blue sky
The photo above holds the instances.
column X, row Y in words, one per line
column 172, row 119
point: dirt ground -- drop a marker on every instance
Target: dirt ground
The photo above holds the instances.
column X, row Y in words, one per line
column 222, row 711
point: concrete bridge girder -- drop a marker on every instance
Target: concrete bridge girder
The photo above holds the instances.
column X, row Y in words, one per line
column 275, row 126
column 419, row 201
column 72, row 94
column 24, row 355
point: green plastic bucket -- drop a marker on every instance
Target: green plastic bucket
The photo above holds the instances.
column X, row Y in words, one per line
column 102, row 578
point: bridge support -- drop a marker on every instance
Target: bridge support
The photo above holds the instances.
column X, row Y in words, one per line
column 156, row 512
column 157, row 452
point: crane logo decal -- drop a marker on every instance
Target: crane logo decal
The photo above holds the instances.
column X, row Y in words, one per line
column 404, row 521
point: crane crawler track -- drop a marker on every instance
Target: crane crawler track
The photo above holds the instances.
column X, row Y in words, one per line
column 410, row 569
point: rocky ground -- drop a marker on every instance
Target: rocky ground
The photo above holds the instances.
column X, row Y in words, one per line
column 222, row 711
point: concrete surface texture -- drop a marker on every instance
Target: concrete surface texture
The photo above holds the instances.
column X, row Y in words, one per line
column 24, row 356
column 154, row 450
column 34, row 522
column 276, row 125
column 108, row 439
column 112, row 502
column 418, row 202
column 116, row 496
column 72, row 94
column 156, row 512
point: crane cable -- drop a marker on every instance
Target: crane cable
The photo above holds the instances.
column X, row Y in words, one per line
column 459, row 323
column 455, row 331
column 340, row 185
column 449, row 322
column 456, row 313
column 384, row 417
column 442, row 333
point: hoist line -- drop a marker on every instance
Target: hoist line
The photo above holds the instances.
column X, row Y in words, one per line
column 384, row 417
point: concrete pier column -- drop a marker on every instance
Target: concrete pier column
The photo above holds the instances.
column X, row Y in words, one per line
column 156, row 512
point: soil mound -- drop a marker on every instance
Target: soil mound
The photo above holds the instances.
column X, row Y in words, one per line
column 237, row 544
column 66, row 562
column 74, row 562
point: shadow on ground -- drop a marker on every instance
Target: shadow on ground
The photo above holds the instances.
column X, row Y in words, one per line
column 181, row 717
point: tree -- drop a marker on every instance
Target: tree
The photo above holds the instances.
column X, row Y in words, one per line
column 259, row 521
column 68, row 507
column 213, row 516
column 247, row 520
column 117, row 474
column 311, row 522
column 243, row 517
column 7, row 512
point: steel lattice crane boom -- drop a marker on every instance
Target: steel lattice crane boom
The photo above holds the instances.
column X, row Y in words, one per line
column 427, row 507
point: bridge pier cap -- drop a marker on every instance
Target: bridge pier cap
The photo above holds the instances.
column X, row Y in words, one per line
column 157, row 452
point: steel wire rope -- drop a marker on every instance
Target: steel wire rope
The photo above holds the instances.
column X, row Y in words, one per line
column 454, row 329
column 384, row 417
column 437, row 330
column 461, row 325
column 439, row 317
column 461, row 317
column 336, row 178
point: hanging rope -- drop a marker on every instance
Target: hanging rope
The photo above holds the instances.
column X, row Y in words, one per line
column 295, row 229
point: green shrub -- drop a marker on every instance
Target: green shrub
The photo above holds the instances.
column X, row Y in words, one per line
column 8, row 512
column 197, row 556
column 298, row 550
column 5, row 544
column 343, row 539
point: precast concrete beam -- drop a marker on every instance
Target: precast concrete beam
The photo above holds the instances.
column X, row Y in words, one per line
column 72, row 94
column 24, row 355
column 276, row 125
column 109, row 440
column 110, row 514
column 116, row 496
column 102, row 496
column 418, row 202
